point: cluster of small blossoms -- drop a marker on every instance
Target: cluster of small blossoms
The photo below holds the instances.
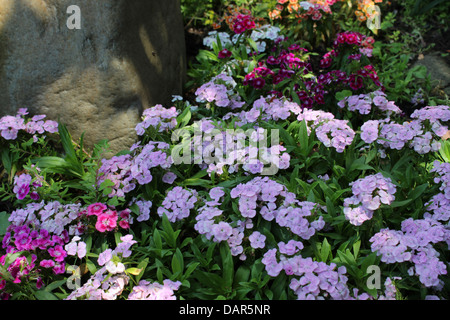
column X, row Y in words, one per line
column 20, row 270
column 363, row 103
column 290, row 63
column 438, row 208
column 315, row 9
column 421, row 134
column 219, row 90
column 107, row 218
column 393, row 135
column 23, row 185
column 126, row 171
column 109, row 281
column 270, row 108
column 76, row 247
column 260, row 196
column 368, row 195
column 340, row 79
column 238, row 19
column 261, row 36
column 366, row 9
column 335, row 133
column 162, row 119
column 218, row 150
column 439, row 205
column 434, row 116
column 348, row 39
column 330, row 131
column 10, row 126
column 178, row 203
column 303, row 10
column 316, row 280
column 209, row 225
column 54, row 217
column 45, row 249
column 146, row 290
column 414, row 243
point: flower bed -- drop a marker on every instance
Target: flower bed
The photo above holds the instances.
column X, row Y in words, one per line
column 286, row 174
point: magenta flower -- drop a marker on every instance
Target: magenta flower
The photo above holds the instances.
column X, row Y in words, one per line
column 47, row 263
column 258, row 83
column 106, row 222
column 23, row 191
column 58, row 253
column 34, row 195
column 225, row 53
column 96, row 209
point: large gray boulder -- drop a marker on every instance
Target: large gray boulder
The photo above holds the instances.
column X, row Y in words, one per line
column 128, row 55
column 438, row 69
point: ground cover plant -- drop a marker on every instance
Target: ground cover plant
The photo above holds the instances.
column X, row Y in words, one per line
column 288, row 170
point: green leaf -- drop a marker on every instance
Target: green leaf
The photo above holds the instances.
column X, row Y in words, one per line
column 6, row 160
column 91, row 266
column 55, row 284
column 157, row 239
column 444, row 151
column 168, row 234
column 227, row 264
column 325, row 250
column 356, row 247
column 417, row 192
column 45, row 295
column 142, row 265
column 191, row 268
column 4, row 222
column 184, row 118
column 397, row 204
column 177, row 262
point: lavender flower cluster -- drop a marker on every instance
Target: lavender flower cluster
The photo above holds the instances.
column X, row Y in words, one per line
column 330, row 131
column 147, row 290
column 262, row 196
column 10, row 126
column 422, row 134
column 414, row 243
column 158, row 117
column 220, row 149
column 368, row 195
column 54, row 217
column 219, row 90
column 126, row 171
column 335, row 133
column 178, row 203
column 109, row 282
column 316, row 280
column 363, row 103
